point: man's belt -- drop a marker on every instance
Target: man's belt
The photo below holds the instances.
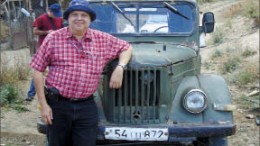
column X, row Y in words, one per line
column 54, row 94
column 76, row 99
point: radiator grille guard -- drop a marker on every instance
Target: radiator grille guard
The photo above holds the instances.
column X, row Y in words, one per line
column 137, row 102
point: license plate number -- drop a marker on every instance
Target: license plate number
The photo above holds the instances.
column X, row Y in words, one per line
column 136, row 134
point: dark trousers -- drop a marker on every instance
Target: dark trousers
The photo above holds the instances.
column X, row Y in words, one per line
column 74, row 123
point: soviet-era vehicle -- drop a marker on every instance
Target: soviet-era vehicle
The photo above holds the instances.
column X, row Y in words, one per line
column 164, row 99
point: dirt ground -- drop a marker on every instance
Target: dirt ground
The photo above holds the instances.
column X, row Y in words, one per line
column 19, row 129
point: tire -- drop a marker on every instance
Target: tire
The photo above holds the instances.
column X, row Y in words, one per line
column 211, row 141
column 46, row 142
column 218, row 141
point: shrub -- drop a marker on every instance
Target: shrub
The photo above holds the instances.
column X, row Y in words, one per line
column 23, row 72
column 230, row 65
column 244, row 78
column 9, row 98
column 217, row 53
column 218, row 36
column 8, row 94
column 252, row 10
column 248, row 52
column 249, row 74
column 9, row 76
column 247, row 102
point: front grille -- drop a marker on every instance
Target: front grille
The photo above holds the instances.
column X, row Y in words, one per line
column 137, row 102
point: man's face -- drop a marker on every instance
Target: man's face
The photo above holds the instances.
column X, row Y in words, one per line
column 50, row 13
column 79, row 20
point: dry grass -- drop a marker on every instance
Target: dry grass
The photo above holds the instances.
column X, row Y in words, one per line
column 205, row 1
column 4, row 31
column 248, row 8
column 233, row 61
column 251, row 10
column 234, row 10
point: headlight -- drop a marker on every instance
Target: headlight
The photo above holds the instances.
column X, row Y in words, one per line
column 195, row 101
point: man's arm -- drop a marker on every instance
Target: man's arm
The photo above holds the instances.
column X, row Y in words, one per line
column 37, row 31
column 46, row 111
column 117, row 75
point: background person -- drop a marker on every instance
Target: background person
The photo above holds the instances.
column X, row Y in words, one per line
column 42, row 26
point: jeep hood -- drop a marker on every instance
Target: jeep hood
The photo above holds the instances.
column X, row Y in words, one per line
column 160, row 54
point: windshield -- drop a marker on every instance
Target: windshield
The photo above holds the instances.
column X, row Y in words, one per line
column 144, row 17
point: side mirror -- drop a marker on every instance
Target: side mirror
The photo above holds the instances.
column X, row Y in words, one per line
column 208, row 22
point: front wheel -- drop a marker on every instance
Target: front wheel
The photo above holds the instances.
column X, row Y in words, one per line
column 212, row 141
column 46, row 142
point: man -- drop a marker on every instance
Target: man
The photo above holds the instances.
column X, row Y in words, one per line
column 42, row 26
column 75, row 56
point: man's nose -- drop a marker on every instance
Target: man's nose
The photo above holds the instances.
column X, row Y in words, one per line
column 79, row 17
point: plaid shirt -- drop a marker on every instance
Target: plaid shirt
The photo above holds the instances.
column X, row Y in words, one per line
column 75, row 66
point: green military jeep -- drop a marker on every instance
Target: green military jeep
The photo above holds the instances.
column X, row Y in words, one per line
column 164, row 99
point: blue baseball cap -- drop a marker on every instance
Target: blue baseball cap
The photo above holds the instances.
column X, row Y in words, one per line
column 56, row 10
column 79, row 5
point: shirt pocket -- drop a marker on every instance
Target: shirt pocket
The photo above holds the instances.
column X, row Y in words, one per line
column 97, row 61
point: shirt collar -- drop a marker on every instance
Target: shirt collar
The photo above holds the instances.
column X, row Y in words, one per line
column 87, row 35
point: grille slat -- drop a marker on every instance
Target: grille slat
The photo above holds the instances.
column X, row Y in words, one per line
column 131, row 94
column 136, row 97
column 142, row 96
column 113, row 102
column 154, row 95
column 119, row 104
column 125, row 96
column 148, row 99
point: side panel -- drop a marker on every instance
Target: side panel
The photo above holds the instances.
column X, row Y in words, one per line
column 217, row 91
column 177, row 113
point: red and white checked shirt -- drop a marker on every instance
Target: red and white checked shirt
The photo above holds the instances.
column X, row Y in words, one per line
column 75, row 66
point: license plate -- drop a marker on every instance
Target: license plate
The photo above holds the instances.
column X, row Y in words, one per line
column 136, row 134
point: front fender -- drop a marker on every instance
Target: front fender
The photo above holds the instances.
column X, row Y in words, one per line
column 215, row 88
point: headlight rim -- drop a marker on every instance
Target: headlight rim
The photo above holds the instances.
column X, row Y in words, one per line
column 205, row 105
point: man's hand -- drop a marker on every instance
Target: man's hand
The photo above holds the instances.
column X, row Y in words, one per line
column 49, row 31
column 46, row 113
column 116, row 78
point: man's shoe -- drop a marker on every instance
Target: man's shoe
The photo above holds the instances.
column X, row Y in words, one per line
column 29, row 98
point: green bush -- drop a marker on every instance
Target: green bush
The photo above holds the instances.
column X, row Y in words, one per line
column 9, row 98
column 248, row 53
column 230, row 65
column 217, row 53
column 218, row 36
column 8, row 94
column 252, row 10
column 247, row 102
column 244, row 78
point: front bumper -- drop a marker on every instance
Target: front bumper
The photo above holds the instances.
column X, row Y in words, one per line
column 177, row 133
column 185, row 132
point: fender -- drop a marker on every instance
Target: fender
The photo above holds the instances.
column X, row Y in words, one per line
column 217, row 92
